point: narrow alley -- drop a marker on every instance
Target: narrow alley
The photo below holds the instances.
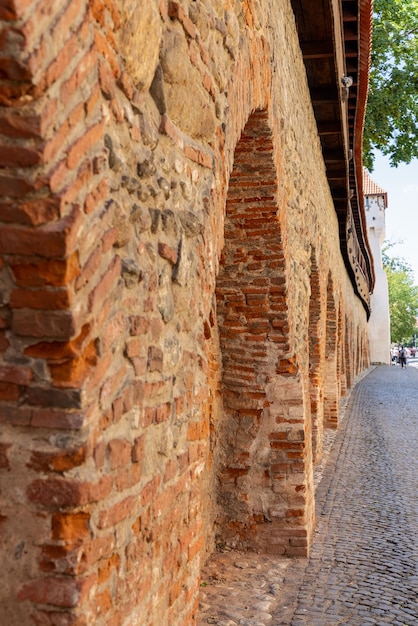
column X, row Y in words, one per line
column 363, row 565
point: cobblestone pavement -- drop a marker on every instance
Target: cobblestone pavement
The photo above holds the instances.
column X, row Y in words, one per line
column 363, row 565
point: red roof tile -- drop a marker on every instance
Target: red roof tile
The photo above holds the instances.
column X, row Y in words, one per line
column 370, row 188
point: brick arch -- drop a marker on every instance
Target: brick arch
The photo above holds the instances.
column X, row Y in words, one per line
column 363, row 357
column 316, row 357
column 348, row 343
column 263, row 491
column 331, row 398
column 342, row 353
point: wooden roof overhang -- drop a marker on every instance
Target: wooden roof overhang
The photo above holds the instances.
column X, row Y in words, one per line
column 335, row 40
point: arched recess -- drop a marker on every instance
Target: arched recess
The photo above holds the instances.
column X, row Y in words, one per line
column 341, row 363
column 349, row 347
column 331, row 397
column 265, row 469
column 316, row 359
column 363, row 360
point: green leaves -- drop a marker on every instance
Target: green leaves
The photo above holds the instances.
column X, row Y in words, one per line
column 391, row 124
column 403, row 297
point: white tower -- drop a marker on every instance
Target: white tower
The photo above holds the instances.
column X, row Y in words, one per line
column 379, row 323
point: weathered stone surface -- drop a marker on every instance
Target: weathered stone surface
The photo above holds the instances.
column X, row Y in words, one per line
column 139, row 37
column 188, row 105
column 177, row 325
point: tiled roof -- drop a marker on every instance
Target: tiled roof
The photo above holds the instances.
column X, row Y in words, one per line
column 370, row 188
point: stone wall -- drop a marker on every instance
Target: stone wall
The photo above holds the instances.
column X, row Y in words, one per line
column 176, row 323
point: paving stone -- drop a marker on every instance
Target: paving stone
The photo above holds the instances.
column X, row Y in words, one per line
column 363, row 566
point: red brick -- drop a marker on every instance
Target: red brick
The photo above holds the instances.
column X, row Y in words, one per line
column 150, row 490
column 9, row 10
column 138, row 449
column 107, row 81
column 55, row 145
column 63, row 592
column 14, row 70
column 107, row 567
column 60, row 559
column 40, row 299
column 151, row 390
column 148, row 417
column 117, row 409
column 15, row 156
column 15, row 187
column 119, row 452
column 62, row 419
column 59, row 493
column 198, row 156
column 116, row 513
column 114, row 329
column 162, row 413
column 52, row 240
column 95, row 198
column 93, row 103
column 59, row 350
column 99, row 373
column 139, row 365
column 78, row 150
column 81, row 73
column 155, row 359
column 167, row 252
column 15, row 374
column 162, row 503
column 60, row 178
column 175, row 10
column 54, row 324
column 89, row 269
column 168, row 128
column 107, row 283
column 68, row 50
column 99, row 454
column 4, row 461
column 34, row 212
column 134, row 347
column 109, row 239
column 40, row 272
column 49, row 397
column 70, row 527
column 17, row 416
column 171, row 469
column 57, row 618
column 25, row 126
column 59, row 461
column 9, row 392
column 68, row 19
column 112, row 386
column 129, row 477
column 104, row 48
column 75, row 558
column 117, row 110
column 126, row 85
column 72, row 373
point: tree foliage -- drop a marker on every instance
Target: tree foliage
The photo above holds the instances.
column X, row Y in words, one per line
column 403, row 297
column 391, row 123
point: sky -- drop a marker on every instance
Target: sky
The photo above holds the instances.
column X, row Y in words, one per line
column 401, row 185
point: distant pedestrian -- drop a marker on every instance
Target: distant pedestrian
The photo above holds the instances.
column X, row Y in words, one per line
column 402, row 356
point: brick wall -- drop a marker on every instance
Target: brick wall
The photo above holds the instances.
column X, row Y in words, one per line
column 175, row 312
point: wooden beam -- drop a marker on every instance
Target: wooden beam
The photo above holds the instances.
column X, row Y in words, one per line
column 324, row 95
column 317, row 49
column 333, row 156
column 329, row 128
